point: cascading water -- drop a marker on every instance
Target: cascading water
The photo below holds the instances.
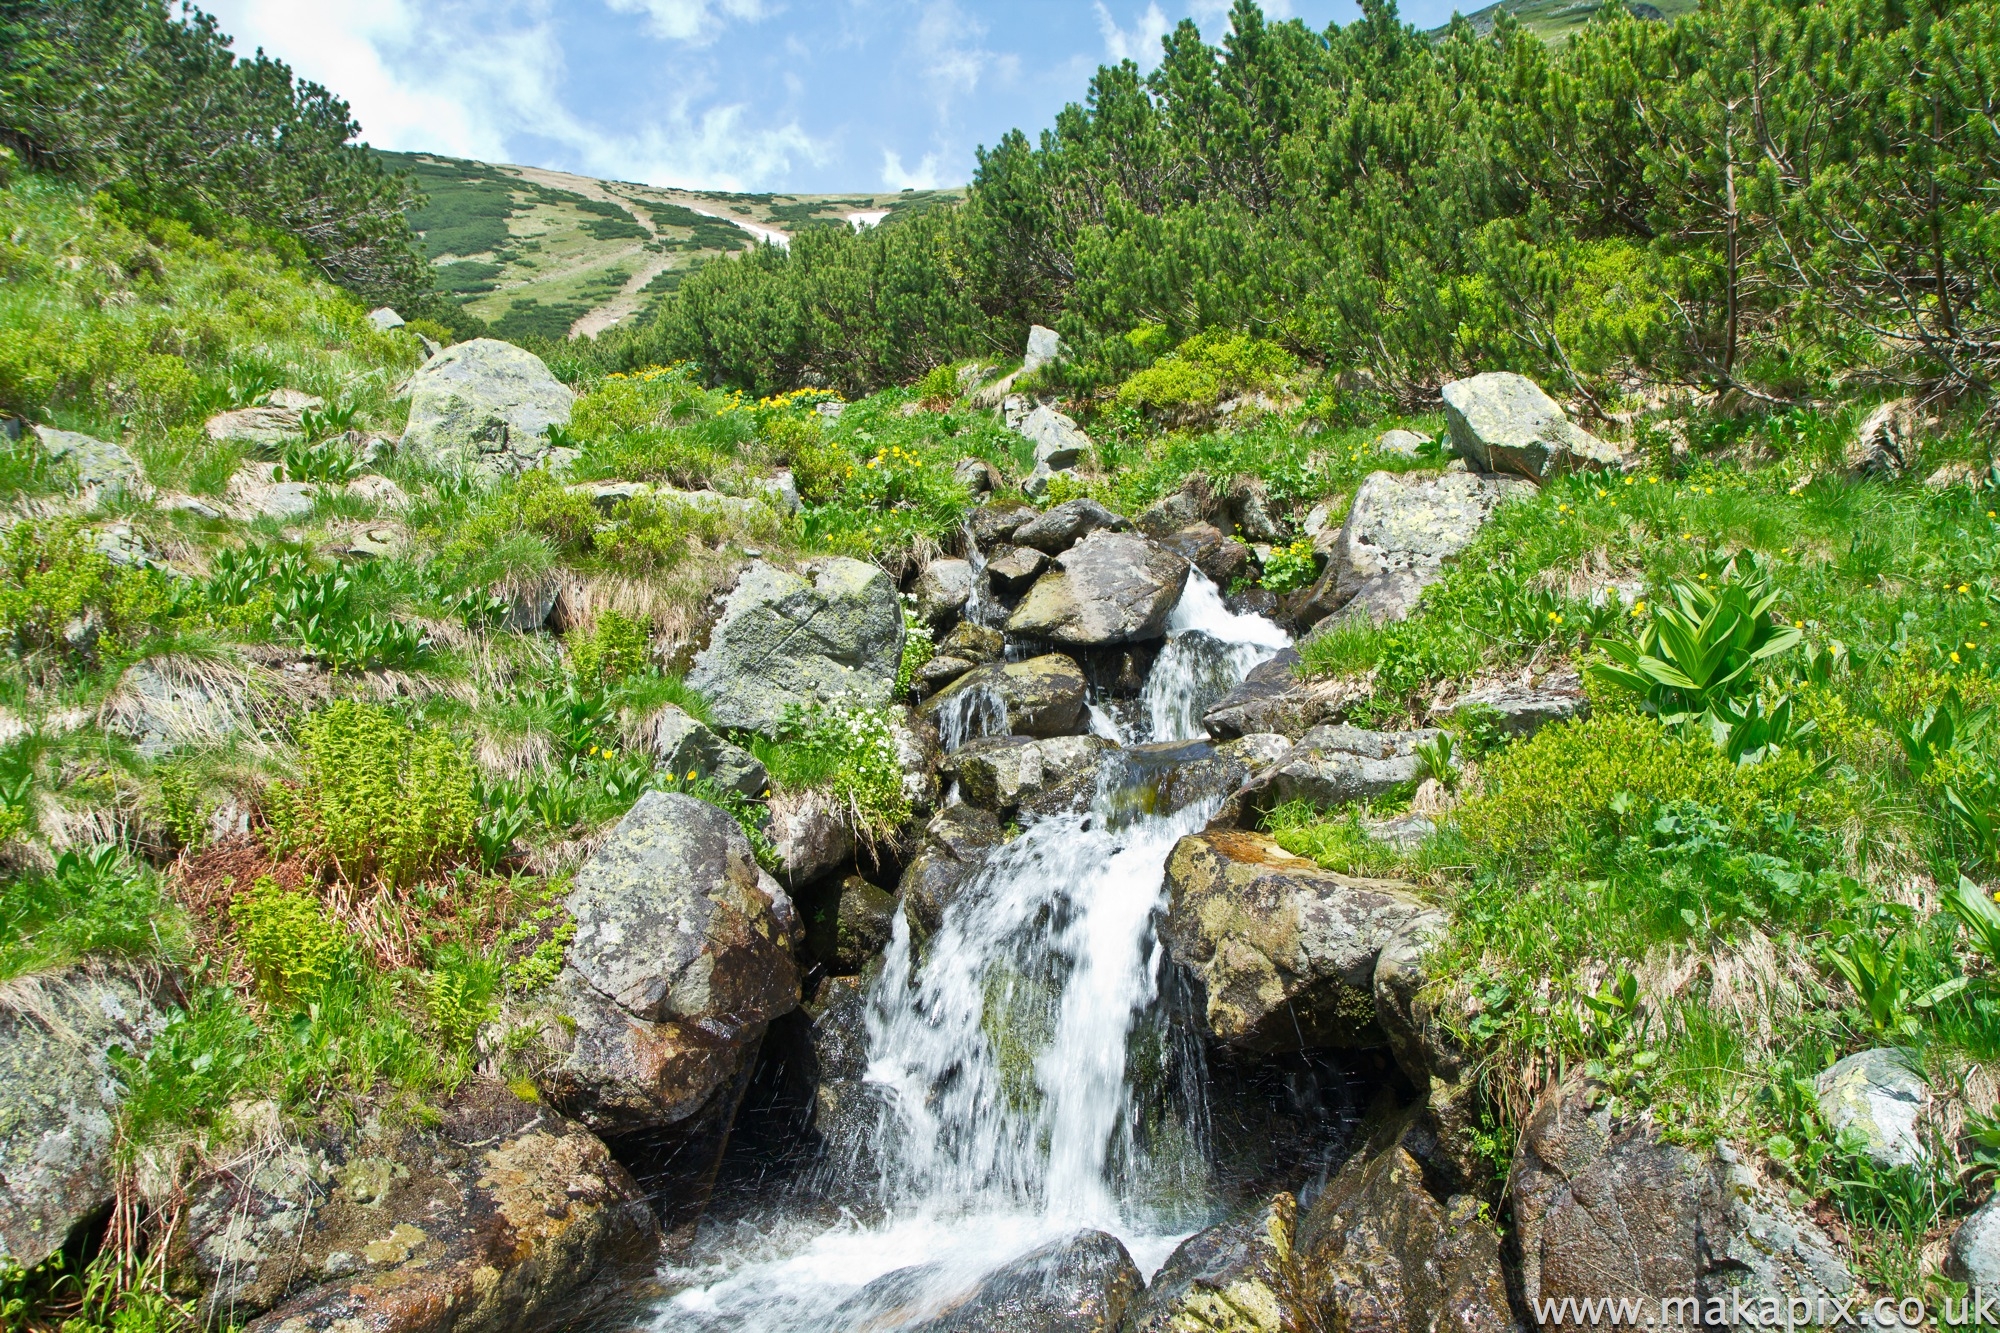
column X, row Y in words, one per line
column 1004, row 1055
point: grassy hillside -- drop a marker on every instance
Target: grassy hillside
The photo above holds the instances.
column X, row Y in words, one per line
column 545, row 254
column 1556, row 21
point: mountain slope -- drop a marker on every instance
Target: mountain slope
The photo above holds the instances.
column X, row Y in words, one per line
column 1555, row 21
column 538, row 253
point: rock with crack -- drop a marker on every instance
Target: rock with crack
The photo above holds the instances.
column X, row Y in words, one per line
column 784, row 639
column 689, row 750
column 1399, row 532
column 1876, row 1098
column 1271, row 698
column 1332, row 766
column 1011, row 775
column 955, row 845
column 1066, row 524
column 1110, row 588
column 59, row 1096
column 484, row 408
column 1604, row 1208
column 942, row 591
column 1043, row 696
column 1015, row 568
column 1236, row 1275
column 1283, row 953
column 500, row 1215
column 1523, row 706
column 681, row 958
column 994, row 523
column 99, row 465
column 1222, row 560
column 1503, row 422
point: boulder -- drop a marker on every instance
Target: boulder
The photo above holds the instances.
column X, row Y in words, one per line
column 1503, row 422
column 978, row 644
column 383, row 318
column 1043, row 696
column 942, row 591
column 847, row 1109
column 256, row 495
column 786, row 639
column 1523, row 706
column 780, row 491
column 1272, row 699
column 1010, row 774
column 1974, row 1254
column 1064, row 525
column 937, row 673
column 1014, row 568
column 164, row 703
column 995, row 523
column 59, row 1094
column 1401, row 443
column 1246, row 511
column 1203, row 546
column 1282, row 952
column 1875, row 1099
column 1081, row 1284
column 1445, row 1073
column 1603, row 1208
column 1059, row 445
column 1398, row 534
column 977, row 475
column 1333, row 766
column 1044, row 347
column 688, row 749
column 1381, row 1255
column 812, row 835
column 101, row 465
column 258, row 427
column 681, row 958
column 862, row 924
column 502, row 1215
column 1189, row 505
column 1173, row 775
column 484, row 407
column 918, row 751
column 1110, row 588
column 1235, row 1275
column 1888, row 441
column 954, row 846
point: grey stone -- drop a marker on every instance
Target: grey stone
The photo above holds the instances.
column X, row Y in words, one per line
column 1401, row 443
column 1877, row 1096
column 779, row 490
column 1399, row 531
column 1082, row 1284
column 995, row 523
column 1043, row 696
column 1246, row 512
column 1062, row 526
column 1974, row 1255
column 1236, row 1274
column 484, row 407
column 832, row 411
column 786, row 639
column 1044, row 347
column 383, row 318
column 295, row 400
column 1272, row 699
column 189, row 504
column 978, row 644
column 123, row 545
column 529, row 606
column 100, row 464
column 679, row 961
column 977, row 475
column 847, row 1109
column 954, row 846
column 942, row 591
column 1223, row 561
column 1014, row 568
column 862, row 924
column 811, row 834
column 1333, row 766
column 1006, row 774
column 378, row 491
column 686, row 748
column 1183, row 509
column 1110, row 588
column 163, row 704
column 59, row 1096
column 1503, row 422
column 1059, row 445
column 937, row 673
column 1283, row 953
column 1524, row 708
column 259, row 427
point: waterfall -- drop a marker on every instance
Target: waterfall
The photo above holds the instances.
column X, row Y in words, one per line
column 1019, row 1054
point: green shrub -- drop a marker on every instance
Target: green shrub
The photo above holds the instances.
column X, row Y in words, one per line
column 847, row 750
column 95, row 900
column 617, row 646
column 381, row 801
column 1199, row 371
column 59, row 593
column 294, row 949
column 1291, row 567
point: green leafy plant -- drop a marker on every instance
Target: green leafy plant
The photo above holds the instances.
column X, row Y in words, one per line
column 1291, row 567
column 183, row 805
column 328, row 463
column 293, row 947
column 1883, row 975
column 616, row 647
column 1750, row 730
column 1974, row 907
column 848, row 750
column 1434, row 760
column 321, row 422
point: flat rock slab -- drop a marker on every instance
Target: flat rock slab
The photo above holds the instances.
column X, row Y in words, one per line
column 1010, row 774
column 1110, row 588
column 1523, row 707
column 1062, row 526
column 1332, row 766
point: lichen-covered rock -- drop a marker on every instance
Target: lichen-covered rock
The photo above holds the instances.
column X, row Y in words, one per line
column 942, row 591
column 1231, row 1276
column 1064, row 525
column 100, row 464
column 59, row 1093
column 994, row 523
column 1333, row 766
column 1010, row 775
column 1059, row 445
column 1876, row 1097
column 811, row 834
column 978, row 644
column 681, row 958
column 1401, row 443
column 937, row 673
column 1110, row 588
column 484, row 407
column 1523, row 707
column 1013, row 568
column 789, row 639
column 1398, row 534
column 1043, row 696
column 688, row 750
column 259, row 427
column 1283, row 952
column 954, row 846
column 502, row 1217
column 1503, row 422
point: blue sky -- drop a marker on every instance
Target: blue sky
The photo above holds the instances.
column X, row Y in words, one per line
column 798, row 96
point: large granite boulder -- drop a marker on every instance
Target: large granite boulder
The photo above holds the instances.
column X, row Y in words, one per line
column 108, row 468
column 1332, row 766
column 501, row 1216
column 1010, row 775
column 1236, row 1275
column 1604, row 1208
column 1398, row 534
column 681, row 958
column 1875, row 1099
column 1272, row 699
column 1064, row 525
column 1503, row 422
column 59, row 1093
column 1080, row 1284
column 1110, row 588
column 1043, row 696
column 1283, row 953
column 955, row 845
column 1014, row 569
column 1202, row 545
column 484, row 407
column 1059, row 445
column 785, row 638
column 687, row 749
column 1044, row 346
column 942, row 591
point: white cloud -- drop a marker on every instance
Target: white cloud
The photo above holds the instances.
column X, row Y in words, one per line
column 696, row 22
column 1141, row 43
column 949, row 50
column 928, row 175
column 1213, row 15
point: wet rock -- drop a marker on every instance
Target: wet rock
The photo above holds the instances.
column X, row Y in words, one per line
column 974, row 643
column 59, row 1092
column 1333, row 766
column 1398, row 534
column 164, row 703
column 955, row 844
column 1043, row 696
column 1503, row 422
column 789, row 639
column 1232, row 1276
column 1082, row 1284
column 1283, row 952
column 484, row 407
column 1523, row 706
column 1876, row 1098
column 1009, row 774
column 937, row 673
column 996, row 523
column 1014, row 568
column 1270, row 698
column 1603, row 1208
column 1110, row 588
column 108, row 468
column 1974, row 1254
column 1379, row 1253
column 942, row 591
column 1252, row 601
column 1222, row 560
column 1888, row 442
column 811, row 834
column 257, row 427
column 688, row 749
column 1066, row 524
column 680, row 959
column 847, row 1110
column 1172, row 775
column 502, row 1216
column 862, row 925
column 1401, row 443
